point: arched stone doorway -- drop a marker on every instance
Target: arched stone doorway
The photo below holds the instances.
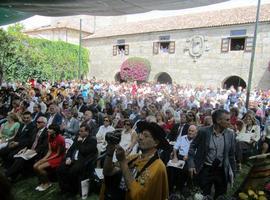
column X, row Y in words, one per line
column 234, row 81
column 163, row 78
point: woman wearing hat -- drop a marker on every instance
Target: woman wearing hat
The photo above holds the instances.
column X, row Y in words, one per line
column 141, row 176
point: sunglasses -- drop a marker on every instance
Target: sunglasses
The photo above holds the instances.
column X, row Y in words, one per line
column 106, row 120
column 39, row 122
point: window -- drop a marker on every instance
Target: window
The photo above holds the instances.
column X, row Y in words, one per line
column 164, row 47
column 121, row 48
column 237, row 44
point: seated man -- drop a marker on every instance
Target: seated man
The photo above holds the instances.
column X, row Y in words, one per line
column 21, row 140
column 180, row 152
column 79, row 157
column 39, row 147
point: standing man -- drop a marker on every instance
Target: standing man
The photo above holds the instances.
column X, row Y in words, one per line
column 141, row 176
column 212, row 155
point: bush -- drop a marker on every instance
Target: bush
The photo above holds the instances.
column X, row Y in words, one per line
column 135, row 69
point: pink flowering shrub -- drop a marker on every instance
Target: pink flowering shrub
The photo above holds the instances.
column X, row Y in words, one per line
column 135, row 68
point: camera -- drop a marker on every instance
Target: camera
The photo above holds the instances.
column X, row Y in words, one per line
column 216, row 163
column 113, row 137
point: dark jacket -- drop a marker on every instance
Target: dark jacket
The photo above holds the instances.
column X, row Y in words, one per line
column 200, row 146
column 35, row 116
column 57, row 119
column 24, row 135
column 42, row 144
column 87, row 149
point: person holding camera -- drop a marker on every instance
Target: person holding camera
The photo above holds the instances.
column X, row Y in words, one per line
column 212, row 155
column 141, row 176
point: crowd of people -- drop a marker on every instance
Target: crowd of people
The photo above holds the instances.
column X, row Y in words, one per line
column 63, row 131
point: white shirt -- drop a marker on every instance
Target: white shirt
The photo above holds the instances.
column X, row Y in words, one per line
column 182, row 144
column 101, row 137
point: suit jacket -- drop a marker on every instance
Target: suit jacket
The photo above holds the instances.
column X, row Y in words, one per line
column 199, row 149
column 73, row 128
column 24, row 135
column 57, row 119
column 35, row 116
column 42, row 144
column 87, row 150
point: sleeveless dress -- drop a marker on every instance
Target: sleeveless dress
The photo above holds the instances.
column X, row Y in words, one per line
column 56, row 142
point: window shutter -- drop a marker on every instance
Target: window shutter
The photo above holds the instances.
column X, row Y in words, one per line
column 248, row 44
column 114, row 50
column 155, row 48
column 172, row 47
column 126, row 49
column 225, row 43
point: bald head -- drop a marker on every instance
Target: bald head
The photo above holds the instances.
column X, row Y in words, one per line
column 192, row 132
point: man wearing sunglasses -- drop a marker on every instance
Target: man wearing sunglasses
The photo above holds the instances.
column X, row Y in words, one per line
column 26, row 157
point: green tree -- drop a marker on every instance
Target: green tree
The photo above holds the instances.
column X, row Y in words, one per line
column 23, row 58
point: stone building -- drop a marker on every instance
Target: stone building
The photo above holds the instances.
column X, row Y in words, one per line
column 65, row 29
column 208, row 48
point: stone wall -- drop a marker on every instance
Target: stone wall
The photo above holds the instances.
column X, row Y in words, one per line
column 211, row 68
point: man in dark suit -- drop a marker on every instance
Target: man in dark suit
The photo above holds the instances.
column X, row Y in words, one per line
column 54, row 116
column 39, row 144
column 212, row 155
column 80, row 105
column 37, row 112
column 21, row 140
column 78, row 161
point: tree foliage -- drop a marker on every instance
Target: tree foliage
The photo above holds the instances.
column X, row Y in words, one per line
column 23, row 58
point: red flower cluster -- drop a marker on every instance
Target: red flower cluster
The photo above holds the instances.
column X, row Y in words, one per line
column 135, row 69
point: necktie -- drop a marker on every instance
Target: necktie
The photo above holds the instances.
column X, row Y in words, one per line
column 36, row 140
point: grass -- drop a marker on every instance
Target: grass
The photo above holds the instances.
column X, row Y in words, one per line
column 25, row 190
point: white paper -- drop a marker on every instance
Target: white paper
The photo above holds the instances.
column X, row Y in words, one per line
column 179, row 164
column 27, row 155
column 99, row 173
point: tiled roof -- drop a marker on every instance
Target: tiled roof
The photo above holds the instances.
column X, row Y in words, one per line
column 233, row 16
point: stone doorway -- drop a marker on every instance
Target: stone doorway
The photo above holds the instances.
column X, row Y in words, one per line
column 234, row 81
column 163, row 78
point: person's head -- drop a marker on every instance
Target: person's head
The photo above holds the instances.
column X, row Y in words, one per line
column 84, row 131
column 15, row 103
column 191, row 117
column 234, row 111
column 27, row 117
column 239, row 125
column 169, row 114
column 80, row 100
column 192, row 132
column 183, row 118
column 151, row 136
column 68, row 114
column 128, row 124
column 65, row 105
column 88, row 115
column 12, row 117
column 24, row 105
column 52, row 109
column 249, row 119
column 221, row 118
column 54, row 130
column 107, row 121
column 159, row 117
column 36, row 108
column 207, row 121
column 41, row 122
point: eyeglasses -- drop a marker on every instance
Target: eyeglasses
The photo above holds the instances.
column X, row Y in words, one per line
column 106, row 120
column 128, row 124
column 39, row 122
